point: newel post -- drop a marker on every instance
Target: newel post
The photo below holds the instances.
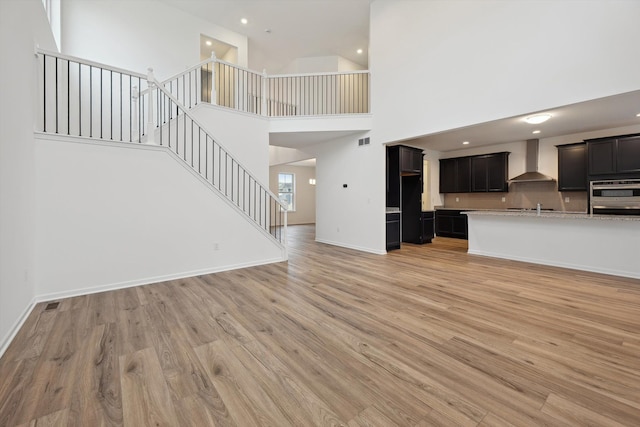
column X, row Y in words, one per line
column 150, row 136
column 214, row 96
column 264, row 92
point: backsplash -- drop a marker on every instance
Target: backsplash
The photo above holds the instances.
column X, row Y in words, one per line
column 521, row 195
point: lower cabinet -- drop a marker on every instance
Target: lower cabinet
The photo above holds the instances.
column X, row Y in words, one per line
column 393, row 231
column 451, row 223
column 428, row 226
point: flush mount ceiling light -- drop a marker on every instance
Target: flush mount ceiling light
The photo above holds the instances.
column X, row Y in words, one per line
column 244, row 21
column 465, row 143
column 536, row 131
column 359, row 51
column 537, row 119
column 208, row 42
column 638, row 115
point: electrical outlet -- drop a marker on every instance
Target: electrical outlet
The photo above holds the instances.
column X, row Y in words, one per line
column 457, row 199
column 567, row 199
column 504, row 199
column 216, row 247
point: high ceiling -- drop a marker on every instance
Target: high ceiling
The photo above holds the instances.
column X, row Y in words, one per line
column 296, row 28
column 311, row 28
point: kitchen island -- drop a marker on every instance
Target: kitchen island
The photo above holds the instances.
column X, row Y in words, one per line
column 607, row 244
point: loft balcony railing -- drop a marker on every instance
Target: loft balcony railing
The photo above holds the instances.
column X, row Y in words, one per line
column 221, row 83
column 87, row 99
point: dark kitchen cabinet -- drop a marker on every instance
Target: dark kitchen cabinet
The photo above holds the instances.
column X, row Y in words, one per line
column 455, row 175
column 628, row 155
column 614, row 157
column 602, row 157
column 393, row 231
column 428, row 226
column 489, row 172
column 410, row 160
column 411, row 208
column 451, row 223
column 572, row 167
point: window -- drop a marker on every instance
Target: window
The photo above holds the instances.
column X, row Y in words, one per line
column 286, row 190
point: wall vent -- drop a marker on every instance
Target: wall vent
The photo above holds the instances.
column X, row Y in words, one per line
column 52, row 306
column 363, row 141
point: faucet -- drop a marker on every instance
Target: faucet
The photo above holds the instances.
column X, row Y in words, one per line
column 538, row 206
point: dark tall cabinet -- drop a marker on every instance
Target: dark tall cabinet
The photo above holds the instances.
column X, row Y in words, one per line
column 404, row 191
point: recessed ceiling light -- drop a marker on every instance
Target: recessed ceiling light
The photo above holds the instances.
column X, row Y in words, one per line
column 208, row 42
column 359, row 51
column 465, row 143
column 244, row 21
column 638, row 115
column 537, row 119
column 536, row 131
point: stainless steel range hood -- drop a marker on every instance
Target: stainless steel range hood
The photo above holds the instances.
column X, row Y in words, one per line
column 531, row 160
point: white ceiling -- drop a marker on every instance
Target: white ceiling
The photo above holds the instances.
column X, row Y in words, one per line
column 298, row 28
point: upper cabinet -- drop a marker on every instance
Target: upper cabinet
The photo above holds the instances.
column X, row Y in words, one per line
column 614, row 157
column 488, row 172
column 455, row 175
column 572, row 167
column 410, row 161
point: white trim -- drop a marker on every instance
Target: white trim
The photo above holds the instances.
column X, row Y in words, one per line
column 152, row 280
column 357, row 248
column 7, row 339
column 326, row 73
column 571, row 266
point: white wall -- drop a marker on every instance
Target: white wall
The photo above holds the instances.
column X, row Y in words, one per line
column 352, row 217
column 139, row 34
column 109, row 217
column 440, row 64
column 305, row 193
column 22, row 24
column 246, row 136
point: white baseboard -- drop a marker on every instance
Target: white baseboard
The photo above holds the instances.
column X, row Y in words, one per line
column 150, row 280
column 579, row 267
column 357, row 248
column 6, row 340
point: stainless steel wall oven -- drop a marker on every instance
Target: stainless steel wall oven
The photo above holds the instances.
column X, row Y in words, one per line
column 615, row 197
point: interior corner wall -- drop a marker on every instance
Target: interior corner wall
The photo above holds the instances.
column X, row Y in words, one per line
column 22, row 24
column 448, row 64
column 305, row 193
column 351, row 216
column 136, row 35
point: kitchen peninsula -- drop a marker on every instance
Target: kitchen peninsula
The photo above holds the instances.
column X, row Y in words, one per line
column 608, row 244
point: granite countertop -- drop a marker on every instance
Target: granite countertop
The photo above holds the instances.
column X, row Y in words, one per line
column 552, row 214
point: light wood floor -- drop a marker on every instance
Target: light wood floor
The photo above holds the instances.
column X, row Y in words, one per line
column 423, row 336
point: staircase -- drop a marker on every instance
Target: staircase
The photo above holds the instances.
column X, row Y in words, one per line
column 86, row 99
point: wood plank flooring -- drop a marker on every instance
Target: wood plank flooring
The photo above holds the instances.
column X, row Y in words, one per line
column 424, row 336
